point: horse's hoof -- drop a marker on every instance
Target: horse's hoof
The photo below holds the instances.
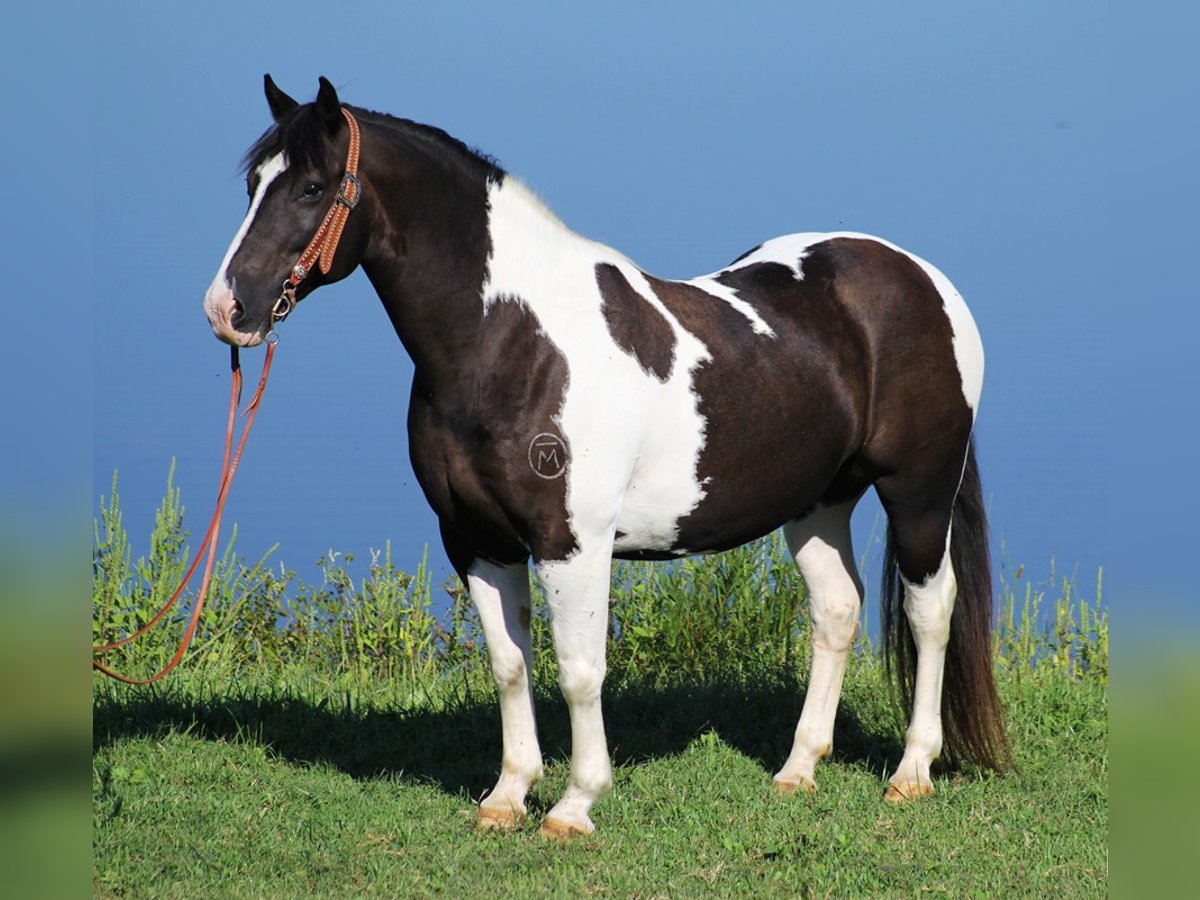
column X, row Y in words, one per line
column 557, row 829
column 499, row 818
column 797, row 785
column 903, row 793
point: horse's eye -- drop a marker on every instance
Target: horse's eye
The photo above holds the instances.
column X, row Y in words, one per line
column 312, row 191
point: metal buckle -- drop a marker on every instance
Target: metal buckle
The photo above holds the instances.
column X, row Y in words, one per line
column 343, row 198
column 286, row 300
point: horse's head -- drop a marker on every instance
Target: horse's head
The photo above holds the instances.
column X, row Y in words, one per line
column 293, row 177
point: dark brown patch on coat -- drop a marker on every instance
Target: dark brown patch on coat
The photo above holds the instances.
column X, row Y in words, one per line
column 766, row 400
column 835, row 401
column 920, row 424
column 637, row 327
column 470, row 446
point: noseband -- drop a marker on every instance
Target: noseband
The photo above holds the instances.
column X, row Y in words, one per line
column 324, row 243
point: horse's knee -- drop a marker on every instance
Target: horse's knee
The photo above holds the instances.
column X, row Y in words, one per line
column 822, row 548
column 508, row 669
column 835, row 618
column 581, row 680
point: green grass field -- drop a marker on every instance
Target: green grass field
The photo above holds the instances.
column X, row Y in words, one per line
column 343, row 753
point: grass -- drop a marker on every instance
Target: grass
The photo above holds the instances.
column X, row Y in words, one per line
column 334, row 744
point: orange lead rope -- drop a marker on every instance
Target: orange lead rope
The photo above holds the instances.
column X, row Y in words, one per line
column 228, row 468
column 320, row 250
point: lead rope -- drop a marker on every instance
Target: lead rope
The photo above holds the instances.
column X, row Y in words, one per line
column 320, row 250
column 229, row 466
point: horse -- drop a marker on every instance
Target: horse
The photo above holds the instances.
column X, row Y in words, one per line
column 569, row 408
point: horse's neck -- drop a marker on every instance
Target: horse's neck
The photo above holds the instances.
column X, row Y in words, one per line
column 439, row 309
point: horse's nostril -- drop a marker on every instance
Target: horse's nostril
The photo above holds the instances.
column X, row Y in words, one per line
column 239, row 312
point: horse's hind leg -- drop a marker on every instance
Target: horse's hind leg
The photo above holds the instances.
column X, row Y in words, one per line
column 820, row 543
column 919, row 509
column 501, row 595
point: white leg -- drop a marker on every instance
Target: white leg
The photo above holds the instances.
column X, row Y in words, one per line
column 928, row 607
column 501, row 594
column 821, row 546
column 577, row 594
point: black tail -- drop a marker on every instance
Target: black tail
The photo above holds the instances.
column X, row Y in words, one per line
column 972, row 720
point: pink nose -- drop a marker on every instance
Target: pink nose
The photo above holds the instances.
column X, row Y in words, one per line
column 223, row 310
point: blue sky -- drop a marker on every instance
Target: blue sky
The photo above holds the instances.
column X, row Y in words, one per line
column 1042, row 155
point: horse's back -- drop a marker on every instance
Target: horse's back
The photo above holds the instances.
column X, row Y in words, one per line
column 842, row 361
column 918, row 344
column 899, row 303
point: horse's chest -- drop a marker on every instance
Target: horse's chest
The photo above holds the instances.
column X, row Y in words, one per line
column 497, row 480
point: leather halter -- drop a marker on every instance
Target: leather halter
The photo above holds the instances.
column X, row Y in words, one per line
column 324, row 243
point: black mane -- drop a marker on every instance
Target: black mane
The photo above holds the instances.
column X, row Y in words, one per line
column 300, row 137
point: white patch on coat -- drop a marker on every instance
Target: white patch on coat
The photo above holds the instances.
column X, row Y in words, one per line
column 218, row 300
column 710, row 285
column 634, row 441
column 786, row 250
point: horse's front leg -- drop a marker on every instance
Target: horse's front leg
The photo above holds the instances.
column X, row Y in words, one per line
column 577, row 592
column 501, row 595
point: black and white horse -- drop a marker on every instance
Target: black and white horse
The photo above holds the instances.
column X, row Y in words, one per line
column 568, row 407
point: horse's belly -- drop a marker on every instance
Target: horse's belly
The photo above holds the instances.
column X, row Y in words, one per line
column 755, row 480
column 644, row 532
column 670, row 510
column 649, row 520
column 663, row 486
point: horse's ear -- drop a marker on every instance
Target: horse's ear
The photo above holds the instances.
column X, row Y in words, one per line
column 328, row 105
column 281, row 104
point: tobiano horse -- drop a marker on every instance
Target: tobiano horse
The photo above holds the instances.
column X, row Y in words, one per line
column 568, row 407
